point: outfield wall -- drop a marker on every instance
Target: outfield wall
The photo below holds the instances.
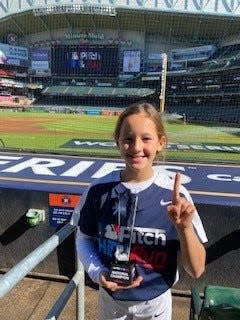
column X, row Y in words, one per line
column 17, row 239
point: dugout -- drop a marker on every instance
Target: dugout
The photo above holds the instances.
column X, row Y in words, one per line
column 17, row 239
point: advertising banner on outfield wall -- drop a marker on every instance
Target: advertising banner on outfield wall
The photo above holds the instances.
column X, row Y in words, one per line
column 13, row 55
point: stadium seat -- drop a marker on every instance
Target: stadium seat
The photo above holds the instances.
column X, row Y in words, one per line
column 218, row 303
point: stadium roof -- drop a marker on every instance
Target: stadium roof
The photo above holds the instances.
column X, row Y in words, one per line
column 222, row 7
column 171, row 24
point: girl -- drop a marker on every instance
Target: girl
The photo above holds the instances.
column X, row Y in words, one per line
column 133, row 222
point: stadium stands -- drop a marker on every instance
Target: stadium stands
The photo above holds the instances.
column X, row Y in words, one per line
column 97, row 91
column 99, row 60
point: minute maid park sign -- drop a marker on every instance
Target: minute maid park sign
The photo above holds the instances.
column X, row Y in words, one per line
column 216, row 7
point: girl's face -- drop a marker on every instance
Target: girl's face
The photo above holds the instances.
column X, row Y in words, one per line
column 138, row 144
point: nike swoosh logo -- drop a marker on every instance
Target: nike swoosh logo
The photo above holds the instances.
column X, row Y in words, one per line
column 165, row 203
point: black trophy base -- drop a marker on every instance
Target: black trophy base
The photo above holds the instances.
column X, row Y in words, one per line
column 122, row 273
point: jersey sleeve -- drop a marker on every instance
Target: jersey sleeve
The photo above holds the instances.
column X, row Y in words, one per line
column 88, row 254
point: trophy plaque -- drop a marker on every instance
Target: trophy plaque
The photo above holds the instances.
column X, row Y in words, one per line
column 121, row 270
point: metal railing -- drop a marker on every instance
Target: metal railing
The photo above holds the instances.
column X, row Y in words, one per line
column 21, row 269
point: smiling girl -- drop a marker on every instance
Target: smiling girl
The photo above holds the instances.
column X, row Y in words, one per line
column 134, row 221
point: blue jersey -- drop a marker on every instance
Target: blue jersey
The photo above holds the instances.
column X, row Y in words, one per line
column 105, row 215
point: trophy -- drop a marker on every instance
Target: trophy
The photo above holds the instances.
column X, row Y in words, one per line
column 122, row 271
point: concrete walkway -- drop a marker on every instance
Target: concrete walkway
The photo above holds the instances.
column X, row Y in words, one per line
column 32, row 299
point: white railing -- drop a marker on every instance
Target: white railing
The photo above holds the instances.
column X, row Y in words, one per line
column 21, row 269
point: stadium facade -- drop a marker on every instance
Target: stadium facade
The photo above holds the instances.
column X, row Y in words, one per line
column 110, row 53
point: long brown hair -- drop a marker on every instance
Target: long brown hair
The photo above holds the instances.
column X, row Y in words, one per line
column 141, row 107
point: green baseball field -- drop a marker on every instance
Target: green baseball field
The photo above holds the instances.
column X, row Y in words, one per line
column 91, row 135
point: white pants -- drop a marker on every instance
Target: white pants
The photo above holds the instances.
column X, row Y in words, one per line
column 159, row 308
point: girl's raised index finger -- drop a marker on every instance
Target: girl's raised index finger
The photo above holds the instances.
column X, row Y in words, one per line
column 176, row 188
